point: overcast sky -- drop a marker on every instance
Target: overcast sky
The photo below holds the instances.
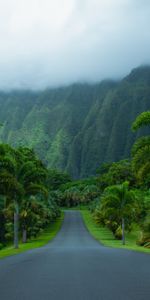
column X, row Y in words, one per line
column 55, row 42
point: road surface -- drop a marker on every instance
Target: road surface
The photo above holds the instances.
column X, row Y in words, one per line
column 75, row 267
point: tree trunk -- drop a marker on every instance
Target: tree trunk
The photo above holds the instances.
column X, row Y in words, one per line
column 24, row 236
column 123, row 231
column 16, row 218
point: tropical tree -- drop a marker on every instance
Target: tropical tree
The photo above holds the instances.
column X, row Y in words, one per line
column 56, row 178
column 144, row 220
column 34, row 216
column 141, row 151
column 115, row 173
column 142, row 120
column 72, row 196
column 32, row 175
column 83, row 191
column 9, row 185
column 90, row 193
column 117, row 208
column 22, row 175
column 24, row 193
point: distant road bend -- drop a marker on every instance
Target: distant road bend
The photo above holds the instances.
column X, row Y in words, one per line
column 75, row 267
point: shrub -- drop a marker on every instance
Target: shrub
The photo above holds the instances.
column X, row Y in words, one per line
column 118, row 233
column 145, row 235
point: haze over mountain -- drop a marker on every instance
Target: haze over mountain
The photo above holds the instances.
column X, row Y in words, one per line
column 51, row 43
column 76, row 128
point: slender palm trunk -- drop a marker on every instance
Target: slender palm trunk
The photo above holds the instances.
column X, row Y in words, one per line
column 16, row 225
column 24, row 235
column 123, row 231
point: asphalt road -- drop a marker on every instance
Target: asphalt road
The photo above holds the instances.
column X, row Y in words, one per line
column 75, row 267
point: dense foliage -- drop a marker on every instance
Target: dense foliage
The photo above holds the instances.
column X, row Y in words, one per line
column 77, row 128
column 27, row 204
column 115, row 173
column 123, row 203
column 141, row 152
column 81, row 192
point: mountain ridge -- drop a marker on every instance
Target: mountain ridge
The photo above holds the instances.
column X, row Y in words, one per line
column 78, row 127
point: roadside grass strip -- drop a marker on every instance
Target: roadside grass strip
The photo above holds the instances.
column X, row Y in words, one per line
column 105, row 236
column 46, row 236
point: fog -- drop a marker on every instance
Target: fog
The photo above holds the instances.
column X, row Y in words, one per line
column 46, row 43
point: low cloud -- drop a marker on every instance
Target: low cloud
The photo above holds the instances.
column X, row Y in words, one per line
column 51, row 43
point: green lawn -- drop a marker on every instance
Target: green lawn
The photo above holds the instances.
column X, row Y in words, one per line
column 105, row 236
column 47, row 235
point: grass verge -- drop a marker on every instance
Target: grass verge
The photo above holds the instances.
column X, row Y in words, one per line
column 105, row 236
column 46, row 236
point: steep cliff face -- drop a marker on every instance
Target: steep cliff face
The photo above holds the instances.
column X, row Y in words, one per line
column 76, row 128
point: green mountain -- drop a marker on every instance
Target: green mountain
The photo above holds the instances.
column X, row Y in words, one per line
column 78, row 127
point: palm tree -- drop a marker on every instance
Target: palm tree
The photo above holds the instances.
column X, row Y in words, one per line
column 117, row 205
column 32, row 175
column 90, row 192
column 22, row 174
column 34, row 215
column 72, row 196
column 9, row 185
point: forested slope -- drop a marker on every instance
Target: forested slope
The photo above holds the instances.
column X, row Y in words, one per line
column 78, row 127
